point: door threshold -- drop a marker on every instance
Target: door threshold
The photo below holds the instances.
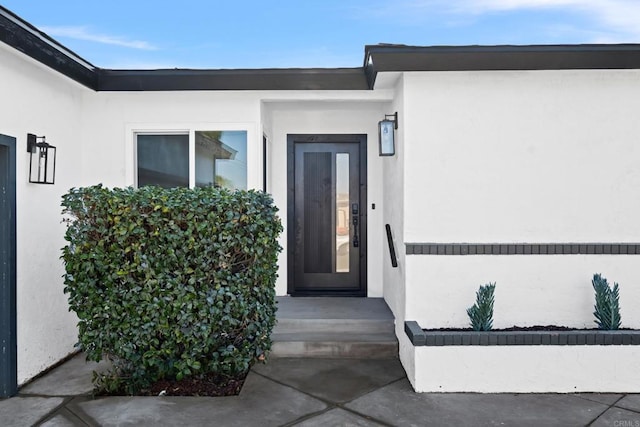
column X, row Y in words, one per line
column 328, row 294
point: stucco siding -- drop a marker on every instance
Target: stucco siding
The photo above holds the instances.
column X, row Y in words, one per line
column 40, row 101
column 539, row 156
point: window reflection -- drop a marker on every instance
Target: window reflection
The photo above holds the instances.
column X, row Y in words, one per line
column 343, row 234
column 221, row 159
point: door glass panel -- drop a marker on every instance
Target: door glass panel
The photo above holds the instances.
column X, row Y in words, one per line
column 221, row 159
column 317, row 213
column 343, row 234
column 163, row 160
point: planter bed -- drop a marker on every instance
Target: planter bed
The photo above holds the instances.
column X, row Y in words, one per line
column 421, row 337
column 560, row 361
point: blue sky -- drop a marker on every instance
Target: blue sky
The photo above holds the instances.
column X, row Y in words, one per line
column 309, row 33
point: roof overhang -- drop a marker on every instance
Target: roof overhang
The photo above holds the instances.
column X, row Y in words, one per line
column 26, row 38
column 393, row 59
column 249, row 79
column 384, row 58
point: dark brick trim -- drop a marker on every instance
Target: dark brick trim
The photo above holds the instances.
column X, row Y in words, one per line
column 523, row 248
column 414, row 332
column 419, row 337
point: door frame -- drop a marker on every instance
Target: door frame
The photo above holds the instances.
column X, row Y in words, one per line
column 8, row 327
column 361, row 140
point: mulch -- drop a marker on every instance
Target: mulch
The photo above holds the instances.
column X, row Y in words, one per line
column 211, row 385
column 206, row 385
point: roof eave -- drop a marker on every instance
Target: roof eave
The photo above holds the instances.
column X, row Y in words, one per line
column 381, row 58
column 240, row 80
column 24, row 37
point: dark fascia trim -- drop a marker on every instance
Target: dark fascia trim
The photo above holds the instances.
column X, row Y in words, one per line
column 246, row 79
column 26, row 38
column 384, row 57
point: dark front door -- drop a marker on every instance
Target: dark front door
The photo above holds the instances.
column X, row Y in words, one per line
column 8, row 362
column 327, row 215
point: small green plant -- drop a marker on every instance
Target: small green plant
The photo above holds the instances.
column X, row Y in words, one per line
column 481, row 313
column 607, row 306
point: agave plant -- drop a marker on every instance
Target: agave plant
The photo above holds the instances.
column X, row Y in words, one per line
column 607, row 306
column 481, row 313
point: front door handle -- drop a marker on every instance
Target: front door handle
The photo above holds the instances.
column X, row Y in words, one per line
column 355, row 211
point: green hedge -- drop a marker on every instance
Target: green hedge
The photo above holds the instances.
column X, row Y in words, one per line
column 170, row 283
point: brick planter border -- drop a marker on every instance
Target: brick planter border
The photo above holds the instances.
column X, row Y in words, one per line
column 419, row 337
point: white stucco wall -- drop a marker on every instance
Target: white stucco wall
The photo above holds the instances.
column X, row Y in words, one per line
column 530, row 290
column 527, row 369
column 525, row 157
column 395, row 278
column 539, row 156
column 112, row 118
column 40, row 101
column 519, row 157
column 394, row 196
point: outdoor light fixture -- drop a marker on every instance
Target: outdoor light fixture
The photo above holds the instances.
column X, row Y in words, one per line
column 42, row 160
column 386, row 134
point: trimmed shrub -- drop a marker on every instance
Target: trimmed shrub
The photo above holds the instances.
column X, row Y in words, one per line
column 607, row 306
column 481, row 313
column 170, row 283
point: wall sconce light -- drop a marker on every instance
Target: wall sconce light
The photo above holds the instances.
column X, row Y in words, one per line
column 42, row 160
column 386, row 134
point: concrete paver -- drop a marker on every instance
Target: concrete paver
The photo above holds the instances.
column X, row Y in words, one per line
column 334, row 380
column 261, row 402
column 60, row 420
column 631, row 401
column 398, row 404
column 26, row 411
column 338, row 418
column 72, row 378
column 309, row 392
column 606, row 398
column 616, row 417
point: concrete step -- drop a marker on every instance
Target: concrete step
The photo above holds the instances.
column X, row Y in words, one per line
column 354, row 326
column 354, row 346
column 332, row 308
column 334, row 328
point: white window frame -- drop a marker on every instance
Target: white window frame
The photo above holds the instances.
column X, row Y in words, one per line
column 254, row 147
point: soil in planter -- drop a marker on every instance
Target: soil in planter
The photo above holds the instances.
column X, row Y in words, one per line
column 208, row 385
column 518, row 329
column 213, row 385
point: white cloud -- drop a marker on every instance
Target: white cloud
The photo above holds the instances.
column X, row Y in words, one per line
column 609, row 20
column 84, row 33
column 614, row 20
column 489, row 5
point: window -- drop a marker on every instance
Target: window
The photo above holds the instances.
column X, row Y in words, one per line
column 163, row 160
column 220, row 159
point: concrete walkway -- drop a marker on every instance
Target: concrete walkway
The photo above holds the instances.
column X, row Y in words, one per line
column 308, row 392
